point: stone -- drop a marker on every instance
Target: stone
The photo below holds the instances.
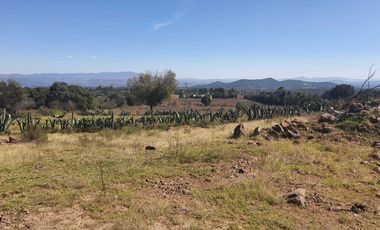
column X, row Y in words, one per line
column 375, row 156
column 293, row 132
column 12, row 140
column 322, row 129
column 241, row 171
column 356, row 107
column 297, row 192
column 239, row 131
column 278, row 128
column 374, row 119
column 359, row 208
column 250, row 142
column 376, row 144
column 150, row 148
column 377, row 169
column 327, row 117
column 256, row 132
column 297, row 197
column 298, row 200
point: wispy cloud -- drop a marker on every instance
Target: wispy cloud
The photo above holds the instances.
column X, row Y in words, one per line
column 161, row 25
column 182, row 9
column 93, row 56
column 69, row 56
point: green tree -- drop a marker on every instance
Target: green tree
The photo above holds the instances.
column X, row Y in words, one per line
column 206, row 100
column 11, row 95
column 340, row 92
column 152, row 89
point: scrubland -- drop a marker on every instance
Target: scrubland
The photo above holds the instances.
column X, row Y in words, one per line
column 198, row 178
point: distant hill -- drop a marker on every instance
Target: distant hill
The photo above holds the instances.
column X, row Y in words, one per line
column 116, row 79
column 268, row 84
column 338, row 80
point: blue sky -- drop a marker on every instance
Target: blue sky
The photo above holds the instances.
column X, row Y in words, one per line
column 195, row 38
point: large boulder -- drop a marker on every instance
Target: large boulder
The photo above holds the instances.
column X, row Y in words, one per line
column 239, row 131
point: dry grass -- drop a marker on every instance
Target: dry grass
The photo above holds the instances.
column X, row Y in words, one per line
column 191, row 182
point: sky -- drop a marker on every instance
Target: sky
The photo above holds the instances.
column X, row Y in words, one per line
column 195, row 38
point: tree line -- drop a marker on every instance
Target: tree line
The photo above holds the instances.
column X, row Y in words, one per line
column 148, row 88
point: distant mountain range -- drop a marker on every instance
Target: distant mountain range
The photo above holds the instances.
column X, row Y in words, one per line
column 116, row 79
column 268, row 84
column 119, row 79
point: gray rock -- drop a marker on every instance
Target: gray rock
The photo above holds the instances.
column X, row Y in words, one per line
column 239, row 131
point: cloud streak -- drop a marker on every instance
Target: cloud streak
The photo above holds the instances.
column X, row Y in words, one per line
column 182, row 9
column 161, row 25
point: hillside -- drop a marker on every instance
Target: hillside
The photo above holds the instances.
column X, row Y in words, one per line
column 116, row 79
column 268, row 84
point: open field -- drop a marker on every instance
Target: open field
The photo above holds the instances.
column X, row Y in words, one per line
column 197, row 179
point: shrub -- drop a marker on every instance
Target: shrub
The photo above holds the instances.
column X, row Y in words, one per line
column 35, row 134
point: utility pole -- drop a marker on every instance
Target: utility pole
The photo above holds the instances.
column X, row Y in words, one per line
column 185, row 96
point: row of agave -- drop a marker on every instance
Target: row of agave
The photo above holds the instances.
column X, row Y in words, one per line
column 92, row 124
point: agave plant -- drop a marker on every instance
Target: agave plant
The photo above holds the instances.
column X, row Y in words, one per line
column 5, row 121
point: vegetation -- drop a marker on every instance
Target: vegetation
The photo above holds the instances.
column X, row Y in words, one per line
column 5, row 121
column 11, row 95
column 342, row 91
column 284, row 98
column 152, row 89
column 108, row 180
column 206, row 100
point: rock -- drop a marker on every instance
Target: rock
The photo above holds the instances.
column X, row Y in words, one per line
column 374, row 119
column 375, row 156
column 230, row 142
column 364, row 162
column 250, row 142
column 292, row 133
column 273, row 134
column 12, row 140
column 150, row 148
column 258, row 143
column 256, row 132
column 321, row 128
column 327, row 117
column 376, row 169
column 278, row 128
column 298, row 124
column 356, row 107
column 241, row 171
column 239, row 131
column 297, row 192
column 359, row 208
column 285, row 124
column 298, row 200
column 376, row 144
column 297, row 197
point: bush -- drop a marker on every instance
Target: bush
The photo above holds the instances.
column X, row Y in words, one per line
column 339, row 92
column 206, row 100
column 35, row 134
